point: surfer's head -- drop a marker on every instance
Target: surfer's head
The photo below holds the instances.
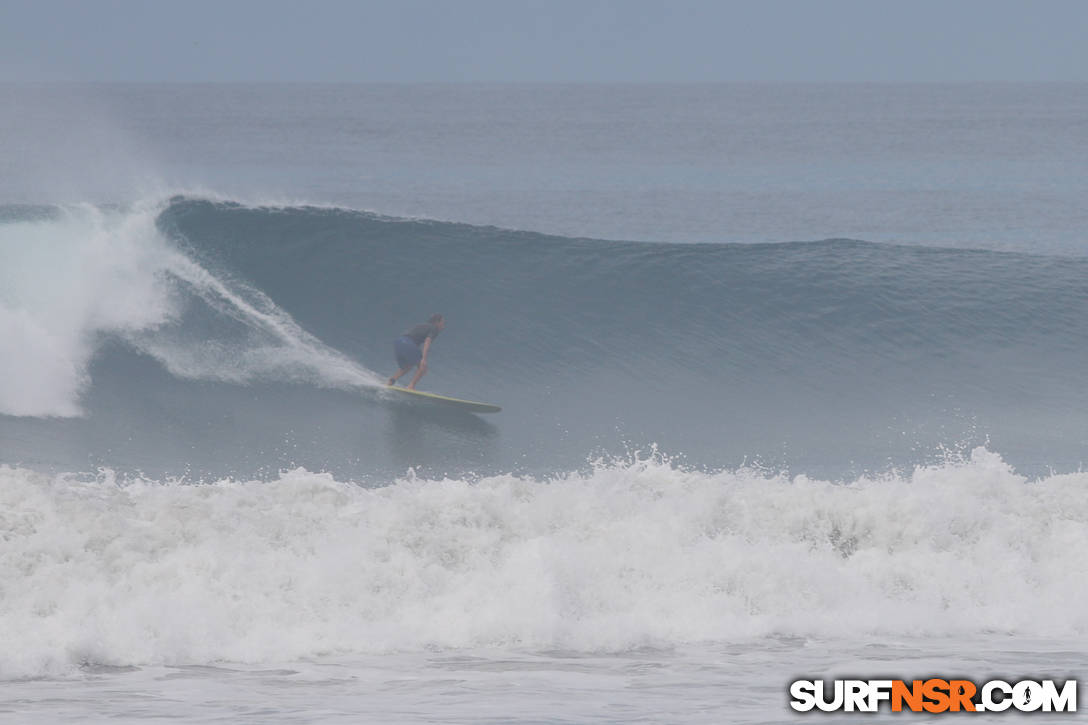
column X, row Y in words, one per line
column 437, row 320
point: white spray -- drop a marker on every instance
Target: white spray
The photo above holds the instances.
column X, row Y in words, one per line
column 69, row 281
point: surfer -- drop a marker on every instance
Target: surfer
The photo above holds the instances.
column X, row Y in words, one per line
column 412, row 347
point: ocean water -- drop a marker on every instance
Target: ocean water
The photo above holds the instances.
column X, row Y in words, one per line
column 791, row 376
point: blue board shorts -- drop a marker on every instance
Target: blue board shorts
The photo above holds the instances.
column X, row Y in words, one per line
column 407, row 352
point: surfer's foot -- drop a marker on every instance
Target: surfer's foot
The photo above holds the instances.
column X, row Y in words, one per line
column 391, row 381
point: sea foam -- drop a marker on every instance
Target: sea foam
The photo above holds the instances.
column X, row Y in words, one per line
column 628, row 554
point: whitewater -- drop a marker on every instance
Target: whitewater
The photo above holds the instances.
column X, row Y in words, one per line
column 515, row 587
column 633, row 555
column 758, row 423
column 119, row 277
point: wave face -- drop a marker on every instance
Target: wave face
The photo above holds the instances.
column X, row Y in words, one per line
column 624, row 556
column 217, row 337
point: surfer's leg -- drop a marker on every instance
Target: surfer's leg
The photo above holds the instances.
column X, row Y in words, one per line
column 419, row 374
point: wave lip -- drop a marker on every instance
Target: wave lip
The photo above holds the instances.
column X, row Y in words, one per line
column 627, row 555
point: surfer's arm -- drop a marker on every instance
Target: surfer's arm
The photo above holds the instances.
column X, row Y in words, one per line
column 426, row 349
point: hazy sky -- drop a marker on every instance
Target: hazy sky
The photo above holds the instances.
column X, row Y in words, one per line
column 533, row 40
